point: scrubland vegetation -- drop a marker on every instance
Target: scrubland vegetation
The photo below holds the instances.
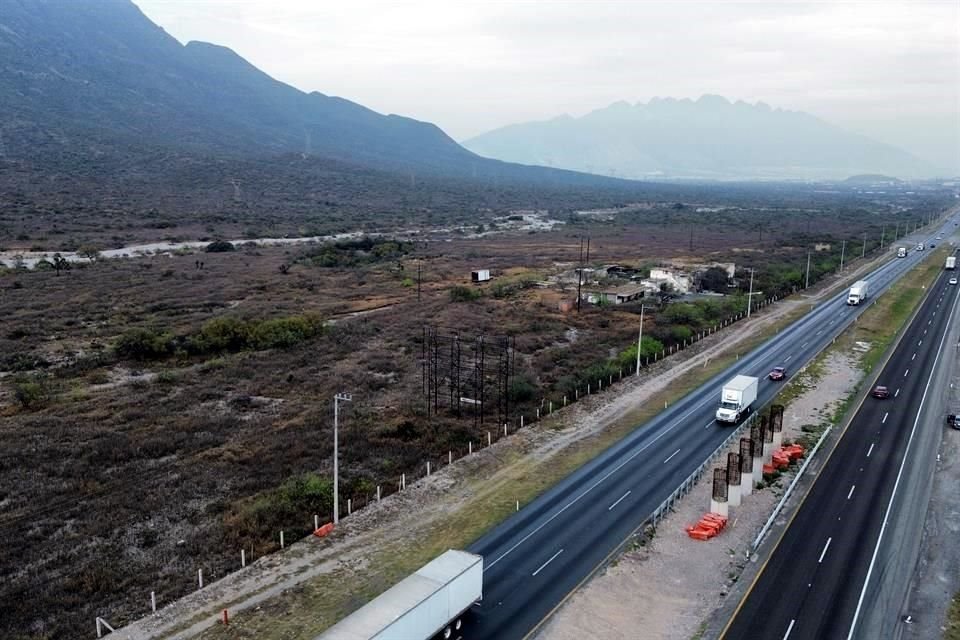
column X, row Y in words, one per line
column 159, row 417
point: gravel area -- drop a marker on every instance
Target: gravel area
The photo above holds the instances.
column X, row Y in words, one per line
column 937, row 576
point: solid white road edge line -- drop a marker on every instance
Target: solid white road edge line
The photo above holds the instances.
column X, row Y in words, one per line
column 671, row 456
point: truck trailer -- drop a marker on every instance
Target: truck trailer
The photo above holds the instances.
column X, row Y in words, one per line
column 951, row 263
column 858, row 292
column 430, row 603
column 736, row 398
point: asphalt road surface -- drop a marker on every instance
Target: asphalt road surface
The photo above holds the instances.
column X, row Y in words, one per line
column 813, row 584
column 537, row 557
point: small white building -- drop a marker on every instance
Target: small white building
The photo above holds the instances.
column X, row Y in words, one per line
column 618, row 295
column 680, row 282
column 481, row 275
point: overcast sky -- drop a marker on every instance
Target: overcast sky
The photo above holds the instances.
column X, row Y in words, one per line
column 890, row 70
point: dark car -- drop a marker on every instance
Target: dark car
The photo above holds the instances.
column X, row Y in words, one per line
column 880, row 391
column 778, row 373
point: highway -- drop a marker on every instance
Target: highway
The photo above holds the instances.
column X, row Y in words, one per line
column 813, row 583
column 541, row 554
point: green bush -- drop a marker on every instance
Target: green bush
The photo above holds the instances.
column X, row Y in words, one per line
column 284, row 332
column 680, row 332
column 144, row 344
column 628, row 357
column 521, row 390
column 461, row 293
column 30, row 393
column 287, row 507
column 219, row 335
column 220, row 246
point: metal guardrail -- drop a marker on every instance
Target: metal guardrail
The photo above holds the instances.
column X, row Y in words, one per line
column 660, row 512
column 786, row 495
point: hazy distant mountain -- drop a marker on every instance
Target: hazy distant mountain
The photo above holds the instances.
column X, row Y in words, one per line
column 97, row 79
column 707, row 138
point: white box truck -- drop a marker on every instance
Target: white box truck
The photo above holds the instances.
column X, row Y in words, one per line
column 429, row 603
column 951, row 263
column 858, row 292
column 736, row 398
column 901, row 252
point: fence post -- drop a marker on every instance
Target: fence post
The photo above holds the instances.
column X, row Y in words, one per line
column 243, row 555
column 521, row 422
column 489, row 439
column 551, row 406
column 281, row 538
column 153, row 601
column 428, row 468
column 403, row 480
column 449, row 457
column 349, row 506
column 200, row 577
column 378, row 493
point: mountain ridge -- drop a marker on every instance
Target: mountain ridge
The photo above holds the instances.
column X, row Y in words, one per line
column 85, row 79
column 710, row 137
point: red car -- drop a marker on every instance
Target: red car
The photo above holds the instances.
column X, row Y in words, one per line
column 880, row 392
column 778, row 373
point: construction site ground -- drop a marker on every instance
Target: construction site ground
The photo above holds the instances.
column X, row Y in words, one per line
column 675, row 580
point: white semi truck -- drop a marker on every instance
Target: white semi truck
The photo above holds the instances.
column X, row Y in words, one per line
column 901, row 252
column 427, row 604
column 736, row 398
column 858, row 292
column 951, row 263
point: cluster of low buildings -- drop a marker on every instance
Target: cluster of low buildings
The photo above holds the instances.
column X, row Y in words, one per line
column 618, row 284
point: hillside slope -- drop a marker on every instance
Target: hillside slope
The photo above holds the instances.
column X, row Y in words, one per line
column 95, row 79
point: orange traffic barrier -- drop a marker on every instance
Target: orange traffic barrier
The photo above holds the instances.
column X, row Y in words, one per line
column 795, row 451
column 324, row 530
column 710, row 525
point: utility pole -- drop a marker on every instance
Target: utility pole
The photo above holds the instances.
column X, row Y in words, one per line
column 346, row 397
column 807, row 283
column 750, row 295
column 419, row 278
column 843, row 249
column 580, row 274
column 896, row 234
column 588, row 248
column 883, row 231
column 863, row 254
column 640, row 340
column 691, row 237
